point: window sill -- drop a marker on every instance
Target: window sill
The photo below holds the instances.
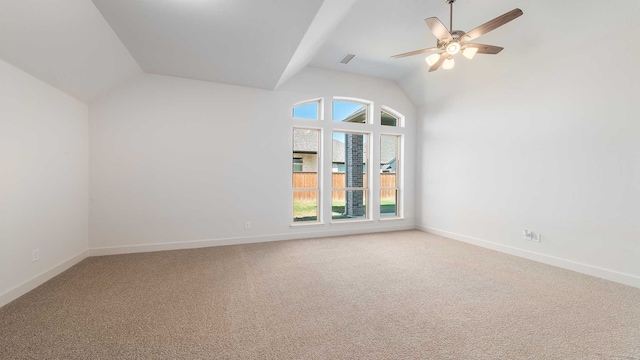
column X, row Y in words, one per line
column 295, row 225
column 391, row 218
column 358, row 221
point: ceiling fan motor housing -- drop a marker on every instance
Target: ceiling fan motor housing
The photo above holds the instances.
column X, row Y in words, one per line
column 456, row 35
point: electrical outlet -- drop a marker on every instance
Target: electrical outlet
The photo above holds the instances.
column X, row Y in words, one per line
column 247, row 224
column 531, row 236
column 36, row 255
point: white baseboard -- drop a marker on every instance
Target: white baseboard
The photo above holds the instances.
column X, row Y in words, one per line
column 194, row 244
column 603, row 273
column 40, row 279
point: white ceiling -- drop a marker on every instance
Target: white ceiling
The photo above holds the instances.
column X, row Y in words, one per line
column 263, row 43
column 376, row 30
column 244, row 42
column 65, row 43
column 550, row 33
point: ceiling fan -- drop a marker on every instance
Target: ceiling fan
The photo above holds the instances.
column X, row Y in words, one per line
column 451, row 42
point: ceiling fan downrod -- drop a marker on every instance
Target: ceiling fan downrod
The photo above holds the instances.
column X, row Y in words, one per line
column 450, row 2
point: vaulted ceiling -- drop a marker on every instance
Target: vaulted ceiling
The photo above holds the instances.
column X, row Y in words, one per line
column 87, row 48
column 243, row 42
column 66, row 43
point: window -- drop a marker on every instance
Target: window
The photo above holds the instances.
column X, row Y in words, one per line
column 350, row 111
column 363, row 162
column 297, row 164
column 306, row 193
column 389, row 160
column 308, row 110
column 390, row 117
column 387, row 119
column 349, row 189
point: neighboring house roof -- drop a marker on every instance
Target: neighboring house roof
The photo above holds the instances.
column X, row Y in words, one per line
column 306, row 141
column 388, row 119
column 389, row 167
column 304, row 144
column 338, row 151
column 357, row 117
column 389, row 150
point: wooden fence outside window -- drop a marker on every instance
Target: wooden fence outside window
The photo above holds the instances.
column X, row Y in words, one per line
column 309, row 180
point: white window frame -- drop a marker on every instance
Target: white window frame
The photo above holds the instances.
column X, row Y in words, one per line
column 319, row 185
column 399, row 177
column 367, row 185
column 374, row 129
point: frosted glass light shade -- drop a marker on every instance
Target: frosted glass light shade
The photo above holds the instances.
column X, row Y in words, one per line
column 470, row 52
column 432, row 59
column 448, row 64
column 453, row 48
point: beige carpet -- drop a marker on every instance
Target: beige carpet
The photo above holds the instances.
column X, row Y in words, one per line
column 402, row 295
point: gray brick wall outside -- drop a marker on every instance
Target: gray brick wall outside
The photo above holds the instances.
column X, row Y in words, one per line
column 354, row 205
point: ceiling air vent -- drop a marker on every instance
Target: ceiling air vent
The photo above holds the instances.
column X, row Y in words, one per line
column 347, row 58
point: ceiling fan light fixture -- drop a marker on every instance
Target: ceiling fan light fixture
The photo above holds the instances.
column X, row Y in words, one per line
column 453, row 48
column 432, row 59
column 448, row 64
column 470, row 52
column 451, row 42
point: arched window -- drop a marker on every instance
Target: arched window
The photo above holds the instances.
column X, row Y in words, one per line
column 309, row 109
column 352, row 149
column 350, row 110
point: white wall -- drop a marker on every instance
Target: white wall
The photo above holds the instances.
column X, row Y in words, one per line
column 43, row 181
column 546, row 137
column 183, row 163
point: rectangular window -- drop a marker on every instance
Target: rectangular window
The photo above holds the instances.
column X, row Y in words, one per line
column 349, row 187
column 389, row 185
column 306, row 193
